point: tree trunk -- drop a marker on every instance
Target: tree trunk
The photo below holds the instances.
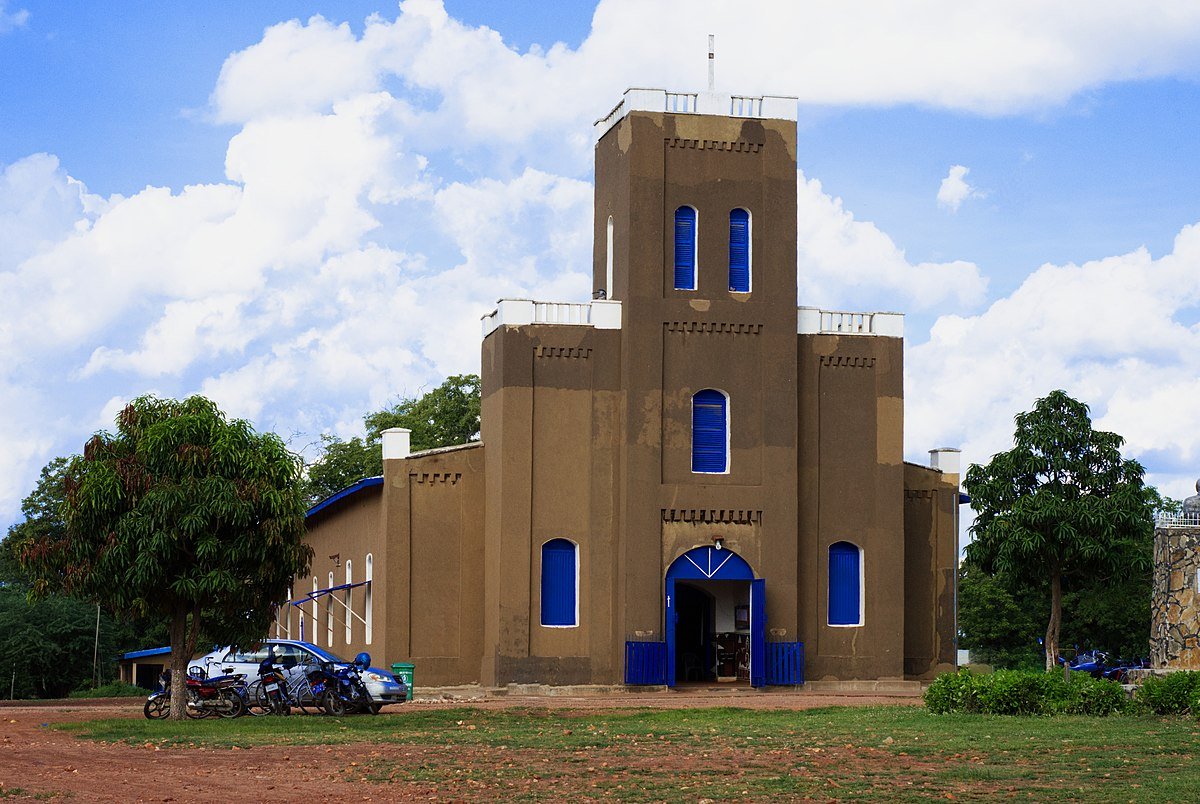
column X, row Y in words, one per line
column 1055, row 617
column 180, row 656
column 183, row 646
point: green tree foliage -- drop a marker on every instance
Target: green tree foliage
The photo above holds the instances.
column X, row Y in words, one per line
column 1062, row 503
column 446, row 416
column 998, row 619
column 47, row 645
column 181, row 514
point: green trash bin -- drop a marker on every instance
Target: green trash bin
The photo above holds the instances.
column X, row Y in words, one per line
column 404, row 672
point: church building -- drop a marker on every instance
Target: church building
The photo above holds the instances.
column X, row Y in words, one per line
column 686, row 479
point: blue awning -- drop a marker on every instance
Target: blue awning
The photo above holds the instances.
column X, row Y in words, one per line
column 365, row 483
column 141, row 654
column 963, row 499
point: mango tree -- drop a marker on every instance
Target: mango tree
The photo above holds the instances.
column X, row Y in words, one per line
column 181, row 514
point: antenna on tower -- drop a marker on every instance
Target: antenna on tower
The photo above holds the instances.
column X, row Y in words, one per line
column 712, row 65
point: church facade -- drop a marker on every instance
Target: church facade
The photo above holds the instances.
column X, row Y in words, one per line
column 686, row 479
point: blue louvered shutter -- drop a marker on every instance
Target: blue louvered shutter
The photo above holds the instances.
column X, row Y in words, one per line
column 685, row 248
column 558, row 582
column 844, row 579
column 739, row 251
column 709, row 432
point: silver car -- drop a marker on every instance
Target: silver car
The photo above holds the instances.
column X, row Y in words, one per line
column 296, row 658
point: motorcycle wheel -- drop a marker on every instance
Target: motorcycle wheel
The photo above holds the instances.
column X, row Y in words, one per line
column 195, row 708
column 333, row 704
column 230, row 705
column 374, row 708
column 157, row 707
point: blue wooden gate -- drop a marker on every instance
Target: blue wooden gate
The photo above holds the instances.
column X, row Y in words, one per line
column 785, row 663
column 645, row 662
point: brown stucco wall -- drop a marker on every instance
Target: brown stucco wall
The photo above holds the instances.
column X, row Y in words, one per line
column 851, row 483
column 434, row 511
column 551, row 413
column 930, row 567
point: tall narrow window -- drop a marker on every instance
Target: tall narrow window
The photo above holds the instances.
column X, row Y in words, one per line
column 845, row 584
column 349, row 604
column 560, row 583
column 608, row 256
column 288, row 616
column 739, row 251
column 329, row 613
column 685, row 248
column 369, row 599
column 313, row 635
column 710, row 432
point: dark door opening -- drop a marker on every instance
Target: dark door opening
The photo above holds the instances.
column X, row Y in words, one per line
column 694, row 635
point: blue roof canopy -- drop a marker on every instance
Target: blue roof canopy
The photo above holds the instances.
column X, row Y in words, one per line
column 141, row 654
column 365, row 483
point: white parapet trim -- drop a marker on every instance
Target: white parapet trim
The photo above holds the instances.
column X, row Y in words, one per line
column 946, row 459
column 638, row 99
column 601, row 314
column 396, row 443
column 814, row 321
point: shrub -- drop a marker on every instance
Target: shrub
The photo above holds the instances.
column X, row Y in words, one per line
column 1084, row 695
column 1172, row 694
column 1015, row 692
column 951, row 692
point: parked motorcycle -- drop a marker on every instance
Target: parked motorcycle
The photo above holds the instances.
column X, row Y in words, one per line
column 272, row 696
column 218, row 696
column 341, row 689
column 1093, row 662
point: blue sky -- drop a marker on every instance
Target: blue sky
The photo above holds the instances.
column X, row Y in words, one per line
column 305, row 221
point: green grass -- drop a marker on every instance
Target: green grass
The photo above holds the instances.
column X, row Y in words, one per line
column 903, row 753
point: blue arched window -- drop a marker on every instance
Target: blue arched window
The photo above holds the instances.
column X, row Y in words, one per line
column 560, row 583
column 685, row 248
column 739, row 251
column 710, row 432
column 845, row 584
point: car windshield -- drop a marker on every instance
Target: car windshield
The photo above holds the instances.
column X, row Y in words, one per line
column 327, row 655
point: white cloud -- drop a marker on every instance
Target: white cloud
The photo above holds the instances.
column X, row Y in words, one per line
column 1117, row 333
column 843, row 262
column 954, row 189
column 384, row 189
column 10, row 20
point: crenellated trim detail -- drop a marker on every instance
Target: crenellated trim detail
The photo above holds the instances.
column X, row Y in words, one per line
column 579, row 352
column 919, row 494
column 843, row 361
column 724, row 516
column 429, row 478
column 713, row 328
column 737, row 146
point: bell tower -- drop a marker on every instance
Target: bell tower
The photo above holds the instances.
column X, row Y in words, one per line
column 695, row 236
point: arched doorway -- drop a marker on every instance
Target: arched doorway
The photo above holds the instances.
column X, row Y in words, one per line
column 715, row 618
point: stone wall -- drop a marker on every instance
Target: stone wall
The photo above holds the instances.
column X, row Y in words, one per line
column 1175, row 606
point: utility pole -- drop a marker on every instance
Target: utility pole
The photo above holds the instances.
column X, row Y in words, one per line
column 96, row 652
column 712, row 64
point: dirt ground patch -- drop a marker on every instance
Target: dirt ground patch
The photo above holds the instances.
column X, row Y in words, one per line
column 40, row 762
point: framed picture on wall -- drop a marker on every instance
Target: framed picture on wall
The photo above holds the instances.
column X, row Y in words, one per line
column 741, row 618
